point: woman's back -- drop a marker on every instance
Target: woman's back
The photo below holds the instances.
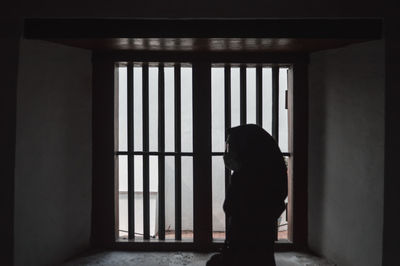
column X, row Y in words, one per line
column 253, row 209
column 255, row 197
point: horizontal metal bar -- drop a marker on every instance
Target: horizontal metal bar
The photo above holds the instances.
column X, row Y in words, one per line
column 154, row 153
column 140, row 234
column 154, row 193
column 286, row 154
column 249, row 63
column 280, row 59
column 151, row 153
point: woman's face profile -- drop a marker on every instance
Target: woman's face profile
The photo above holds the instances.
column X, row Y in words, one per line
column 230, row 156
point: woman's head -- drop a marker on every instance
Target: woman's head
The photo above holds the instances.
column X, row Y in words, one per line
column 249, row 146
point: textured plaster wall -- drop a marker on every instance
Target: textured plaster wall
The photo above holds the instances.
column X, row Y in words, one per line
column 53, row 153
column 346, row 153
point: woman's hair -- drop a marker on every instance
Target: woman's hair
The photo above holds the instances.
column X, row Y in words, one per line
column 254, row 147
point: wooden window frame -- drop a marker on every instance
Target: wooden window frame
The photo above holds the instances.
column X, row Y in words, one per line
column 105, row 185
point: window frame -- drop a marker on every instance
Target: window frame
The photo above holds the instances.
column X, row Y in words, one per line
column 105, row 185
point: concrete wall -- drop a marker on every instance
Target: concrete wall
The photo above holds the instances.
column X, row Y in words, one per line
column 53, row 153
column 346, row 159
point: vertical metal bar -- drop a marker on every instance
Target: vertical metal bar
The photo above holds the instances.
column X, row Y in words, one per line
column 146, row 179
column 243, row 98
column 275, row 102
column 227, row 126
column 298, row 108
column 116, row 148
column 259, row 95
column 289, row 206
column 178, row 171
column 202, row 194
column 131, row 167
column 161, row 157
column 227, row 114
column 275, row 113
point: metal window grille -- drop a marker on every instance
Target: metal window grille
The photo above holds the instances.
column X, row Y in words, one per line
column 146, row 151
column 247, row 94
column 148, row 139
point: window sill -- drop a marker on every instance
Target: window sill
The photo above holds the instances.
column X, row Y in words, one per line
column 186, row 245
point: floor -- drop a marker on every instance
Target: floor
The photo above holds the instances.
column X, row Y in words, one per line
column 117, row 258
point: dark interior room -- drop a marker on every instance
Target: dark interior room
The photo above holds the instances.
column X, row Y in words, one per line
column 118, row 119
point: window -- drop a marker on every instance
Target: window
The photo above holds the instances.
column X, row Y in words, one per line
column 155, row 141
column 155, row 151
column 245, row 94
column 159, row 128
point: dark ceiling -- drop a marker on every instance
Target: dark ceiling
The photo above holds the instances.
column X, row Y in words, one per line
column 214, row 35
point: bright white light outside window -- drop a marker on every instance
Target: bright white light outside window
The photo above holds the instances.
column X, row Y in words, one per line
column 235, row 96
column 186, row 146
column 283, row 112
column 218, row 128
column 251, row 95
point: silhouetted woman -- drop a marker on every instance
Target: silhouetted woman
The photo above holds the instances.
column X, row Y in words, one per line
column 255, row 198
